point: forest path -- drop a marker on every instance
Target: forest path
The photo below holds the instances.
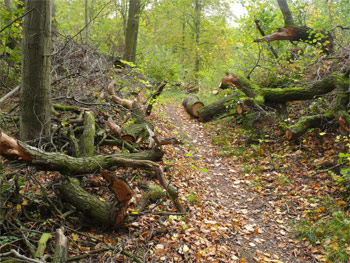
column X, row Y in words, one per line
column 228, row 220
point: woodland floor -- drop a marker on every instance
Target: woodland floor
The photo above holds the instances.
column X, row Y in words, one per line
column 228, row 221
column 243, row 199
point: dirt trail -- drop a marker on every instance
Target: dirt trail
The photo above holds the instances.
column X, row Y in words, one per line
column 230, row 222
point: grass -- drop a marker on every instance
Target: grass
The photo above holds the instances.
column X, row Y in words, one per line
column 330, row 233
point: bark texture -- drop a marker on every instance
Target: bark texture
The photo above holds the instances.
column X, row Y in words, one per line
column 192, row 105
column 210, row 111
column 132, row 30
column 35, row 94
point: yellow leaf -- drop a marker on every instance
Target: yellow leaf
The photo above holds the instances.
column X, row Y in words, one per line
column 341, row 203
column 242, row 260
column 19, row 207
column 74, row 236
column 24, row 202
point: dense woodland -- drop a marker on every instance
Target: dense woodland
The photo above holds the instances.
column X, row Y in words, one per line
column 174, row 131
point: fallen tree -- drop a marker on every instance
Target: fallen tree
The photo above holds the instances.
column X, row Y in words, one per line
column 102, row 213
column 292, row 32
column 257, row 98
column 211, row 111
column 192, row 105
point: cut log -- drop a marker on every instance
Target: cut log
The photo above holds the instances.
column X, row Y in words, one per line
column 215, row 109
column 305, row 123
column 61, row 247
column 86, row 141
column 135, row 131
column 192, row 105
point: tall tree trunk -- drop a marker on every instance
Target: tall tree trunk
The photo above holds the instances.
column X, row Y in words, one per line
column 288, row 18
column 132, row 30
column 87, row 19
column 35, row 94
column 197, row 26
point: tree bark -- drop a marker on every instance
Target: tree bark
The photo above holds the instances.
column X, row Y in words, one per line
column 210, row 111
column 132, row 30
column 192, row 105
column 86, row 141
column 287, row 15
column 35, row 94
column 97, row 212
column 282, row 95
column 13, row 149
column 305, row 123
column 292, row 32
column 61, row 247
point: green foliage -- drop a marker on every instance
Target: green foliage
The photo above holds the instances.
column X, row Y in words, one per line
column 331, row 232
column 192, row 198
column 10, row 43
column 343, row 179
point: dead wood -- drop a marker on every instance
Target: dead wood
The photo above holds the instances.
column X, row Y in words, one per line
column 126, row 103
column 61, row 247
column 154, row 97
column 192, row 105
column 114, row 127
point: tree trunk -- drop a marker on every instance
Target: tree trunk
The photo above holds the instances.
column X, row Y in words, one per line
column 282, row 95
column 86, row 141
column 97, row 212
column 13, row 149
column 35, row 94
column 292, row 32
column 210, row 111
column 197, row 24
column 87, row 20
column 287, row 15
column 61, row 247
column 132, row 30
column 192, row 105
column 305, row 123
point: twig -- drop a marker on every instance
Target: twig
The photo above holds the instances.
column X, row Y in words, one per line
column 18, row 255
column 18, row 18
column 81, row 30
column 9, row 94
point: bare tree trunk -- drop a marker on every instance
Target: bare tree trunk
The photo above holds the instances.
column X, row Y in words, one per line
column 132, row 30
column 35, row 95
column 197, row 26
column 87, row 19
column 288, row 18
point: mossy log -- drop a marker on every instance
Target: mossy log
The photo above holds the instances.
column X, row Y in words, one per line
column 96, row 211
column 135, row 131
column 213, row 110
column 283, row 95
column 305, row 123
column 192, row 105
column 13, row 149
